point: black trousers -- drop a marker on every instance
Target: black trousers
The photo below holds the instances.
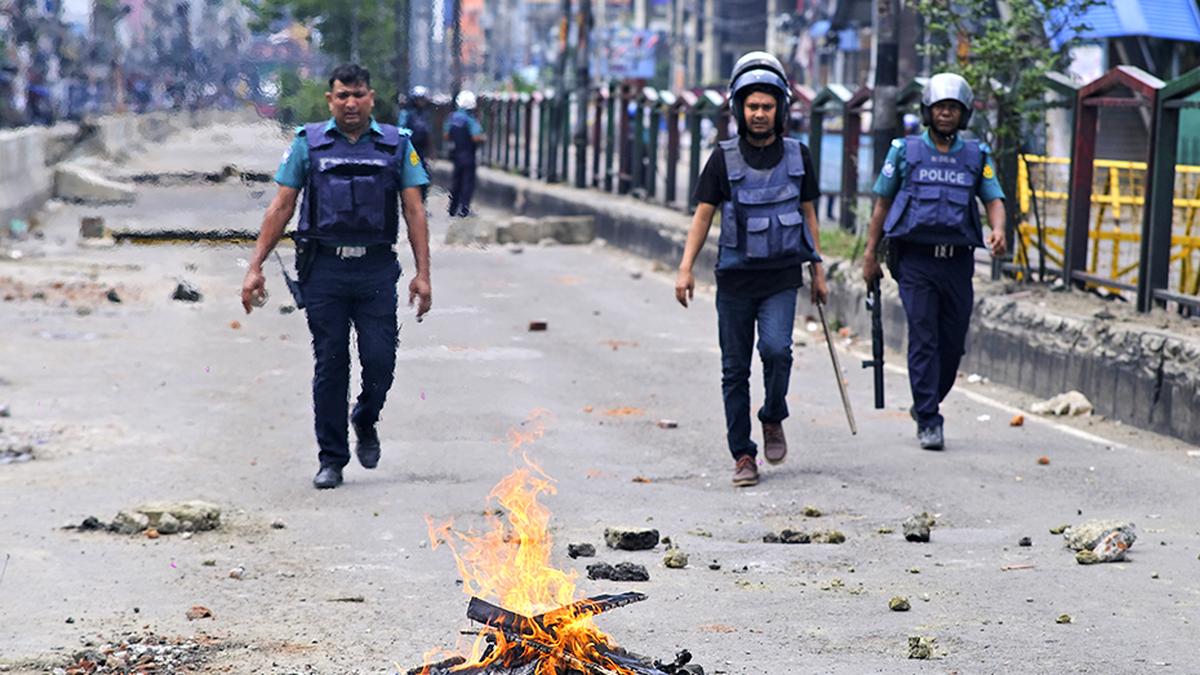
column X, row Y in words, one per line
column 462, row 188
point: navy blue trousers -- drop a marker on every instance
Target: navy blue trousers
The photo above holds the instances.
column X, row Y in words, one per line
column 462, row 188
column 359, row 291
column 737, row 316
column 938, row 297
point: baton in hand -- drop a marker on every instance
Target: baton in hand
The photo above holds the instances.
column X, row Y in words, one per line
column 837, row 368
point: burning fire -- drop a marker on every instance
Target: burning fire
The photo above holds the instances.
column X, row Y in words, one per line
column 509, row 566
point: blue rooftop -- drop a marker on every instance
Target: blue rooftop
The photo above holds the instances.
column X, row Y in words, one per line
column 1167, row 19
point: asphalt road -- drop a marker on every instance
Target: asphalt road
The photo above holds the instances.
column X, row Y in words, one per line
column 154, row 399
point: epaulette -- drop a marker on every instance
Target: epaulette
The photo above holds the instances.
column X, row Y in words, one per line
column 897, row 142
column 300, row 130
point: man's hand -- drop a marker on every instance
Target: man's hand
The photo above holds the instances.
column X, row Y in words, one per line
column 253, row 286
column 685, row 287
column 820, row 291
column 420, row 287
column 995, row 242
column 871, row 268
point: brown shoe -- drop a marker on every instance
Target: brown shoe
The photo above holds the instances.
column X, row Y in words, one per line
column 745, row 472
column 774, row 443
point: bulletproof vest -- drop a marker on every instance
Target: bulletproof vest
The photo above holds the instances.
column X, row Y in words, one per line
column 417, row 121
column 460, row 136
column 762, row 225
column 352, row 192
column 936, row 204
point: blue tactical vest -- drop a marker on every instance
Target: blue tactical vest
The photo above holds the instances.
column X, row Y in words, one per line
column 460, row 135
column 762, row 225
column 352, row 191
column 936, row 204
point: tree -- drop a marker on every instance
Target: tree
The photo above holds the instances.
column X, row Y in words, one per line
column 1002, row 49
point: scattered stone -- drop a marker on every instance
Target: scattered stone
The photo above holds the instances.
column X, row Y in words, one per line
column 1154, row 575
column 675, row 559
column 788, row 537
column 631, row 538
column 1017, row 421
column 1059, row 529
column 1086, row 558
column 237, row 572
column 916, row 527
column 635, row 275
column 921, row 647
column 1064, row 618
column 287, row 309
column 130, row 522
column 350, row 598
column 699, row 532
column 1069, row 404
column 668, row 424
column 1043, row 460
column 185, row 292
column 1025, row 541
column 168, row 524
column 622, row 572
column 666, row 541
column 235, row 324
column 92, row 524
column 581, row 550
column 812, row 512
column 16, row 454
column 641, row 479
column 914, row 570
column 885, row 530
column 5, row 411
column 538, row 326
column 113, row 296
column 899, row 604
column 471, row 231
column 974, row 378
column 278, row 524
column 209, row 563
column 91, row 227
column 152, row 533
column 1089, row 534
column 829, row 537
column 199, row 612
column 714, row 566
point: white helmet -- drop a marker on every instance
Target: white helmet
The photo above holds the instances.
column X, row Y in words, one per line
column 947, row 87
column 465, row 99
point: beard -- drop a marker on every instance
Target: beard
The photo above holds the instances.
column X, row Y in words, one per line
column 760, row 135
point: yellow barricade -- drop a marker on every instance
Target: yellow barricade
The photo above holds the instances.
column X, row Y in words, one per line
column 1118, row 196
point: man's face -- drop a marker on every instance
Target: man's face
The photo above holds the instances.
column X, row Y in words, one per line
column 759, row 112
column 946, row 116
column 350, row 104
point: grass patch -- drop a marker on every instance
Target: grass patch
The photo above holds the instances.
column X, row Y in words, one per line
column 838, row 243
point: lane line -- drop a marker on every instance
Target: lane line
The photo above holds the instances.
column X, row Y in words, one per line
column 989, row 401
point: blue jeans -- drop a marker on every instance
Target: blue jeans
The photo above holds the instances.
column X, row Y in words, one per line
column 737, row 317
column 338, row 293
column 938, row 297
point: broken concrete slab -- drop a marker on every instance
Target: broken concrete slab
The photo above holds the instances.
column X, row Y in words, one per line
column 468, row 231
column 582, row 550
column 625, row 571
column 130, row 522
column 1087, row 535
column 1069, row 404
column 631, row 538
column 192, row 515
column 675, row 559
column 917, row 527
column 77, row 183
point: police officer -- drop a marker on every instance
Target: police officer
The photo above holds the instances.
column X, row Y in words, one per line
column 356, row 175
column 414, row 116
column 926, row 210
column 465, row 134
column 765, row 187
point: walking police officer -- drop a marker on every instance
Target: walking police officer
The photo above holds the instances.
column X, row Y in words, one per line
column 926, row 210
column 765, row 186
column 356, row 174
column 465, row 134
column 414, row 116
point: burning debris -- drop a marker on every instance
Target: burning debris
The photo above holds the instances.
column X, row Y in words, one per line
column 532, row 622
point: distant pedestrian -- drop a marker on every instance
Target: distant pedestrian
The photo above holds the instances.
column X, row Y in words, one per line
column 465, row 135
column 356, row 175
column 765, row 187
column 926, row 210
column 414, row 116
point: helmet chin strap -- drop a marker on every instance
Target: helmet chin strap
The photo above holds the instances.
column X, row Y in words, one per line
column 948, row 138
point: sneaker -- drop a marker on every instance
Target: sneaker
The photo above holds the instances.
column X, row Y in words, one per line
column 931, row 438
column 367, row 449
column 774, row 442
column 745, row 472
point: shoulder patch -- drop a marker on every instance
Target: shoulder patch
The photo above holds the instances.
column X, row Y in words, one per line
column 897, row 143
column 413, row 158
column 988, row 174
column 889, row 169
column 404, row 131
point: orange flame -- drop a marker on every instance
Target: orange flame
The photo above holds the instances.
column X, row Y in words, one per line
column 509, row 565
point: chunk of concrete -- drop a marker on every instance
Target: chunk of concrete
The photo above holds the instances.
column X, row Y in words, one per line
column 130, row 522
column 571, row 229
column 522, row 230
column 77, row 183
column 467, row 231
column 631, row 538
column 1086, row 536
column 192, row 515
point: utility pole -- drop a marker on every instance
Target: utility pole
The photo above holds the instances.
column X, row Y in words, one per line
column 456, row 64
column 887, row 72
column 401, row 46
column 583, row 81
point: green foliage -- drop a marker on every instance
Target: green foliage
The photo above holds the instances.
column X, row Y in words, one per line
column 301, row 101
column 838, row 243
column 1006, row 58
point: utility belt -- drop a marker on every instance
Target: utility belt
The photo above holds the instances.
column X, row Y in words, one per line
column 352, row 252
column 308, row 249
column 942, row 251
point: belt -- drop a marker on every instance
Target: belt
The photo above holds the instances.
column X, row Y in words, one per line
column 349, row 252
column 935, row 250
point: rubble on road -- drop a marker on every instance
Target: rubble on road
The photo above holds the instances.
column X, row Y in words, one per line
column 199, row 612
column 625, row 571
column 1069, row 404
column 1098, row 541
column 812, row 512
column 141, row 653
column 631, row 538
column 185, row 292
column 14, row 452
column 581, row 550
column 921, row 647
column 518, row 230
column 675, row 559
column 787, row 537
column 899, row 604
column 917, row 527
column 162, row 518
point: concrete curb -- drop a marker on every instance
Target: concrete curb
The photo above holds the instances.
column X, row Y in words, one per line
column 1131, row 369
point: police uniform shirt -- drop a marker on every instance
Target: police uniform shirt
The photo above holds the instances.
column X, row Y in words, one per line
column 473, row 125
column 895, row 169
column 713, row 188
column 293, row 169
